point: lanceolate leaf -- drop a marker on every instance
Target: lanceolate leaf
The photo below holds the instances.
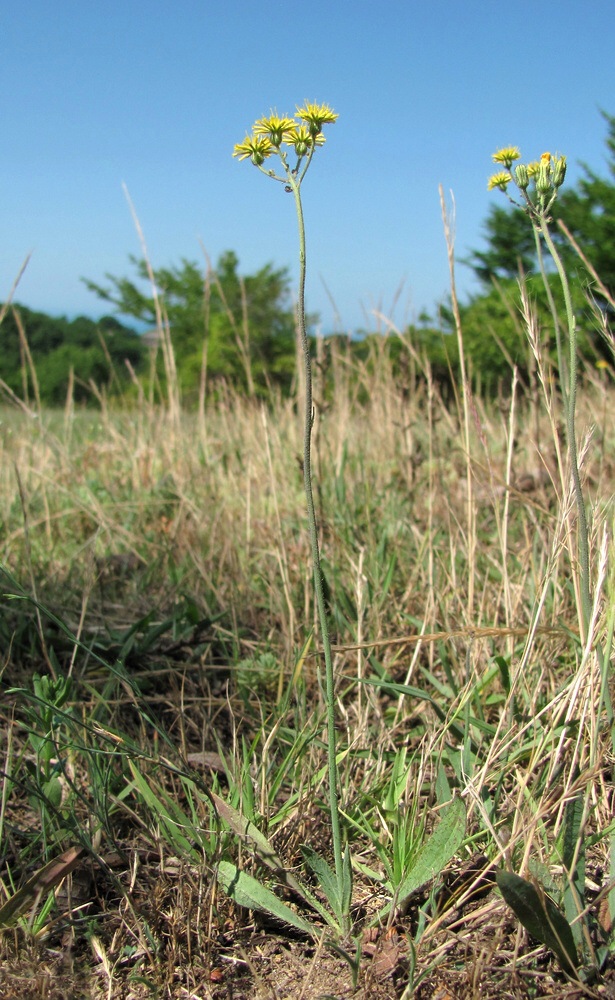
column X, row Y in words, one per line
column 541, row 917
column 246, row 891
column 573, row 857
column 346, row 881
column 325, row 876
column 41, row 882
column 247, row 830
column 438, row 850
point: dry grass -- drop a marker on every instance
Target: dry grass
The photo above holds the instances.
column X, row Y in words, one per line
column 173, row 547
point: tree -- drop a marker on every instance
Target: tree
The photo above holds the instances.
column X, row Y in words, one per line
column 510, row 246
column 246, row 322
column 589, row 213
column 96, row 350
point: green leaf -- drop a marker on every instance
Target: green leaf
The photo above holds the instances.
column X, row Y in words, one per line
column 504, row 669
column 247, row 830
column 573, row 858
column 435, row 853
column 611, row 895
column 346, row 881
column 325, row 876
column 246, row 891
column 52, row 790
column 541, row 917
column 443, row 788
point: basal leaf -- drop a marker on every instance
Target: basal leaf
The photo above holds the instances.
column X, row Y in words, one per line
column 41, row 882
column 246, row 891
column 541, row 917
column 325, row 876
column 438, row 850
column 435, row 853
column 246, row 829
column 346, row 881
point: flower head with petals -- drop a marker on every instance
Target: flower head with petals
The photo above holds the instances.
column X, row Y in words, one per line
column 315, row 116
column 255, row 147
column 507, row 156
column 303, row 140
column 500, row 180
column 276, row 129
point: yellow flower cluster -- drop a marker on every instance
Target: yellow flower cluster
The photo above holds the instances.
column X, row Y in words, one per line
column 301, row 133
column 548, row 173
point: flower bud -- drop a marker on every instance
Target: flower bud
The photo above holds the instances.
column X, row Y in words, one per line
column 522, row 176
column 543, row 177
column 559, row 170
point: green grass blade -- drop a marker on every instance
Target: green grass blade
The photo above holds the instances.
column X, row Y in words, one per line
column 171, row 818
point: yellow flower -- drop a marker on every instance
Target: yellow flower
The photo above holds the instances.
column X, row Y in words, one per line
column 275, row 128
column 256, row 147
column 302, row 140
column 507, row 156
column 315, row 116
column 500, row 180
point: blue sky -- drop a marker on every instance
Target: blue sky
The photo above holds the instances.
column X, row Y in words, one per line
column 156, row 94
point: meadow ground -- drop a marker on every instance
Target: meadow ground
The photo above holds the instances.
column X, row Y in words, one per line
column 160, row 656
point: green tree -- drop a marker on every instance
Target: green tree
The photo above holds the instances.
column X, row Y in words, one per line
column 510, row 246
column 588, row 211
column 494, row 335
column 246, row 322
column 96, row 350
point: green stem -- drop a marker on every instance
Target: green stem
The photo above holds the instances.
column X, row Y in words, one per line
column 570, row 408
column 318, row 580
column 562, row 364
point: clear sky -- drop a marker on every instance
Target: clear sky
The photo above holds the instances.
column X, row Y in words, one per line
column 156, row 94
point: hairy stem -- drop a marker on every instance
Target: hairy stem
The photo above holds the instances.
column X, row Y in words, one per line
column 318, row 580
column 570, row 407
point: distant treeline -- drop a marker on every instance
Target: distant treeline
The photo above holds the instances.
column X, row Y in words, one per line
column 240, row 329
column 45, row 354
column 256, row 354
